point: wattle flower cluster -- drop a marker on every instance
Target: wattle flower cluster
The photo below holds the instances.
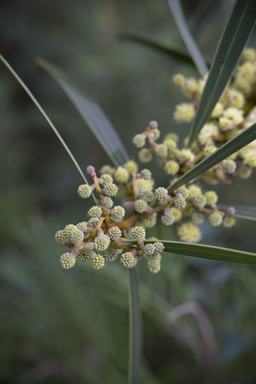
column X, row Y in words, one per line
column 119, row 230
column 235, row 111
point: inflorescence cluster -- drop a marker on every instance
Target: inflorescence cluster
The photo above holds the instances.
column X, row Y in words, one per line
column 120, row 230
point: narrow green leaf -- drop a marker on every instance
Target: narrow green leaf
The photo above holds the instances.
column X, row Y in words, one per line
column 92, row 114
column 173, row 50
column 46, row 118
column 238, row 142
column 135, row 329
column 209, row 252
column 235, row 35
column 247, row 213
column 187, row 37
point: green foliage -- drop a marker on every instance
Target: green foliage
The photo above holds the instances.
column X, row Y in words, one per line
column 187, row 37
column 173, row 50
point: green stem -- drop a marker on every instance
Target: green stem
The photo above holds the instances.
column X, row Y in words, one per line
column 135, row 329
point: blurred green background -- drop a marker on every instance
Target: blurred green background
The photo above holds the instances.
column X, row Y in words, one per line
column 60, row 326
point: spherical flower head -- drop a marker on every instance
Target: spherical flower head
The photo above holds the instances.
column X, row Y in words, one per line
column 108, row 202
column 153, row 124
column 178, row 79
column 138, row 233
column 68, row 229
column 143, row 184
column 171, row 167
column 167, row 219
column 114, row 233
column 82, row 225
column 229, row 166
column 159, row 246
column 106, row 169
column 236, row 99
column 161, row 150
column 161, row 193
column 185, row 112
column 83, row 255
column 243, row 85
column 172, row 136
column 186, row 154
column 224, row 123
column 191, row 87
column 93, row 222
column 176, row 214
column 128, row 260
column 234, row 115
column 98, row 262
column 84, row 191
column 211, row 197
column 107, row 179
column 110, row 254
column 131, row 167
column 184, row 191
column 155, row 257
column 150, row 221
column 147, row 195
column 101, row 242
column 244, row 172
column 90, row 169
column 146, row 174
column 189, row 232
column 95, row 211
column 140, row 205
column 249, row 54
column 149, row 249
column 76, row 236
column 180, row 202
column 217, row 111
column 247, row 71
column 207, row 134
column 229, row 221
column 154, row 266
column 155, row 134
column 66, row 261
column 61, row 237
column 119, row 212
column 170, row 143
column 210, row 149
column 121, row 175
column 139, row 141
column 194, row 190
column 215, row 219
column 199, row 201
column 145, row 155
column 197, row 218
column 110, row 189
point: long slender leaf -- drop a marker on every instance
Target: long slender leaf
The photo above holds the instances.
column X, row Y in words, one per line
column 209, row 252
column 243, row 212
column 173, row 50
column 238, row 142
column 92, row 114
column 46, row 118
column 187, row 37
column 135, row 331
column 235, row 35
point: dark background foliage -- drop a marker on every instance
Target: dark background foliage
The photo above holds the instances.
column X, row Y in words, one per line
column 72, row 326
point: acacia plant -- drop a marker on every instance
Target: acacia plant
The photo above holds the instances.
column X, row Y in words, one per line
column 126, row 201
